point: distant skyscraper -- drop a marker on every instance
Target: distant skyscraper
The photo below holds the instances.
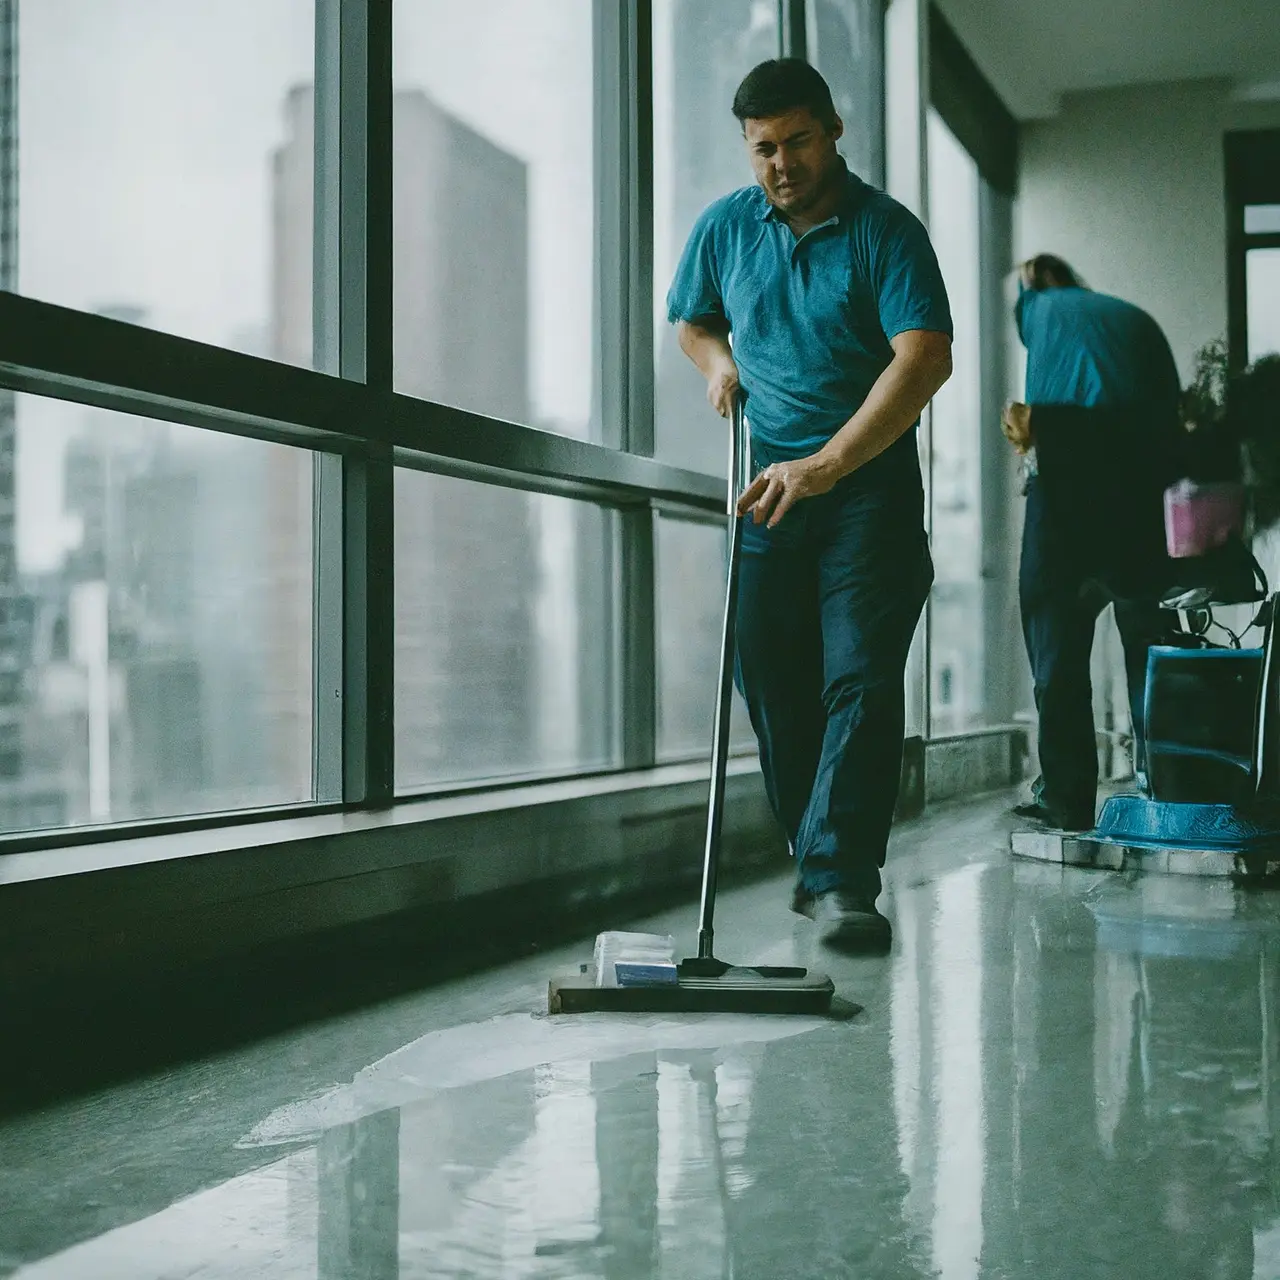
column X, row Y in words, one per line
column 461, row 264
column 167, row 596
column 467, row 555
column 130, row 584
column 292, row 233
column 289, row 485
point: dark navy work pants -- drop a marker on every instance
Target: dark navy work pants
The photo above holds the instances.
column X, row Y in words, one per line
column 828, row 604
column 1059, row 614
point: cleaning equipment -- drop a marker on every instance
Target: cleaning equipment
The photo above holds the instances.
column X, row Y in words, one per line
column 638, row 972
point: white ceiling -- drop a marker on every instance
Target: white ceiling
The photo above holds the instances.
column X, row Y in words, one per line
column 1035, row 50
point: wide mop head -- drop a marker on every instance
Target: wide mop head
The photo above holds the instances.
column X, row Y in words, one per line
column 638, row 973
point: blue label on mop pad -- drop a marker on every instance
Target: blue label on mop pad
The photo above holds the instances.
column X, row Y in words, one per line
column 636, row 973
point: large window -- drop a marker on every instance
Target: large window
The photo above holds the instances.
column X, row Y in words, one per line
column 691, row 566
column 155, row 620
column 188, row 536
column 956, row 631
column 163, row 165
column 495, row 227
column 504, row 635
column 1262, row 279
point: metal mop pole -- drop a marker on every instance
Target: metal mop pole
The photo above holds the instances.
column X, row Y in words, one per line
column 739, row 453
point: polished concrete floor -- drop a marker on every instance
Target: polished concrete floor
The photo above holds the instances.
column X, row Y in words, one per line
column 1057, row 1073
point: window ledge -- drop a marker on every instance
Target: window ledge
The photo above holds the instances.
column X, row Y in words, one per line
column 86, row 858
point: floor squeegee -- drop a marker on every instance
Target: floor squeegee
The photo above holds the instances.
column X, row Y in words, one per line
column 637, row 973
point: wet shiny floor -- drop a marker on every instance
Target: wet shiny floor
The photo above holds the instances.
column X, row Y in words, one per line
column 1056, row 1073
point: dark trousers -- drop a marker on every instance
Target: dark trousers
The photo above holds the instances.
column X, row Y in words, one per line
column 828, row 603
column 1060, row 609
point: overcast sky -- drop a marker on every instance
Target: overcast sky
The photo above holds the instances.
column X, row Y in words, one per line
column 145, row 134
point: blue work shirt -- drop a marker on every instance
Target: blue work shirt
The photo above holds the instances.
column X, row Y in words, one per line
column 1089, row 349
column 811, row 317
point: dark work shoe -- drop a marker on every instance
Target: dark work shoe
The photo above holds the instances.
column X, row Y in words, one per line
column 850, row 924
column 802, row 900
column 1046, row 817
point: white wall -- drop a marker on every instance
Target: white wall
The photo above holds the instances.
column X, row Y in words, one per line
column 1128, row 186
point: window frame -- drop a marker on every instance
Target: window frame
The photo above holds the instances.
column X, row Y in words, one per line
column 359, row 429
column 1252, row 168
column 346, row 412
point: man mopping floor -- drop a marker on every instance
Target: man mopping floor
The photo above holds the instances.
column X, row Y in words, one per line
column 830, row 294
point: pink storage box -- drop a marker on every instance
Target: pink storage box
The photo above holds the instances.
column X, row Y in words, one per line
column 1200, row 517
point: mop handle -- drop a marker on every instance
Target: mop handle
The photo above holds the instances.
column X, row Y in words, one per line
column 739, row 462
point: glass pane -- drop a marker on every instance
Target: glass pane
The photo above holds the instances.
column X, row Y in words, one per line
column 155, row 618
column 495, row 208
column 846, row 43
column 160, row 173
column 701, row 51
column 1260, row 219
column 504, row 638
column 691, row 563
column 1262, row 288
column 956, row 650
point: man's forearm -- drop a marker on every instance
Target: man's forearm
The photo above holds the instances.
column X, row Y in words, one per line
column 707, row 345
column 895, row 402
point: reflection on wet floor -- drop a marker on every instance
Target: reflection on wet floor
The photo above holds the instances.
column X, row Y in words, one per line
column 1056, row 1073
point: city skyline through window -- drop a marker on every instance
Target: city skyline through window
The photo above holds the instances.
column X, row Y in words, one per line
column 144, row 186
column 495, row 208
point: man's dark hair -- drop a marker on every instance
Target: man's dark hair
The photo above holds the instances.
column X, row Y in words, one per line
column 781, row 85
column 1048, row 271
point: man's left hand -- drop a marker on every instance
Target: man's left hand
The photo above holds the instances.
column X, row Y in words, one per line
column 779, row 487
column 1015, row 422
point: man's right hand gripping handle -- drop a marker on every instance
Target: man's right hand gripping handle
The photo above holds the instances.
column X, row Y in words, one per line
column 722, row 388
column 708, row 348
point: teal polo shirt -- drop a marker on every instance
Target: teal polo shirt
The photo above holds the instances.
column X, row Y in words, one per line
column 1090, row 349
column 811, row 317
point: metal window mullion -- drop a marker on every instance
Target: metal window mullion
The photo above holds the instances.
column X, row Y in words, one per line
column 9, row 144
column 926, row 427
column 906, row 177
column 637, row 640
column 996, row 490
column 1237, row 285
column 354, row 337
column 327, row 498
column 610, row 374
column 637, row 618
column 637, row 61
column 622, row 76
column 792, row 33
column 876, row 12
column 369, row 629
